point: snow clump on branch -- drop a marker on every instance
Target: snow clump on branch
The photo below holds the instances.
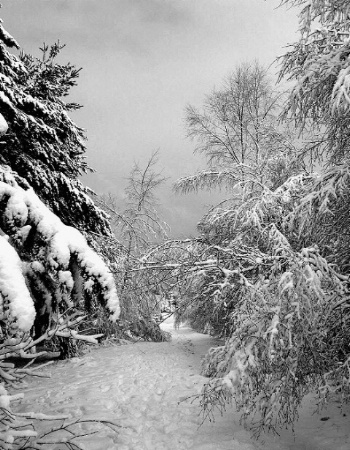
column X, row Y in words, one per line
column 13, row 287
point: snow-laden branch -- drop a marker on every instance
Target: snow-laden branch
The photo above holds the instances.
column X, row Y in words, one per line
column 28, row 222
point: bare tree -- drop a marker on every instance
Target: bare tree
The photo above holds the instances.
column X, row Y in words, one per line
column 238, row 133
column 137, row 226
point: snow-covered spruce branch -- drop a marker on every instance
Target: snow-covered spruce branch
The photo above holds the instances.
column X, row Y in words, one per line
column 53, row 248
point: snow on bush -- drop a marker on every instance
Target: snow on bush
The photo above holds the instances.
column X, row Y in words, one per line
column 286, row 342
column 287, row 309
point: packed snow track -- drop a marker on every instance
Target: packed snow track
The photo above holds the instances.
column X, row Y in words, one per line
column 149, row 390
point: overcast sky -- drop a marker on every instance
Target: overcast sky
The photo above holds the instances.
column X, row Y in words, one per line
column 143, row 61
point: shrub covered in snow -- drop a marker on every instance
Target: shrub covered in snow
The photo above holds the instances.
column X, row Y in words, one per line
column 287, row 321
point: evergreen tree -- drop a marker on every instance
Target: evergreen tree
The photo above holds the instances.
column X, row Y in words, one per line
column 48, row 273
column 43, row 145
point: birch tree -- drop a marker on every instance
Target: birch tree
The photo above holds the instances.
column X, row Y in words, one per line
column 238, row 134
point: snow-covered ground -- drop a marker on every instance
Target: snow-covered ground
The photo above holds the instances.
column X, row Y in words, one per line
column 146, row 388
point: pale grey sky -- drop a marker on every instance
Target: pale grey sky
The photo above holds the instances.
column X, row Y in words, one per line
column 143, row 61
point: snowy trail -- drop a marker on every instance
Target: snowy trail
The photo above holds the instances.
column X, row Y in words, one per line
column 144, row 386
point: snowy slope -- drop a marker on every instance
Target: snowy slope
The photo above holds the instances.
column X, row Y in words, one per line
column 144, row 386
